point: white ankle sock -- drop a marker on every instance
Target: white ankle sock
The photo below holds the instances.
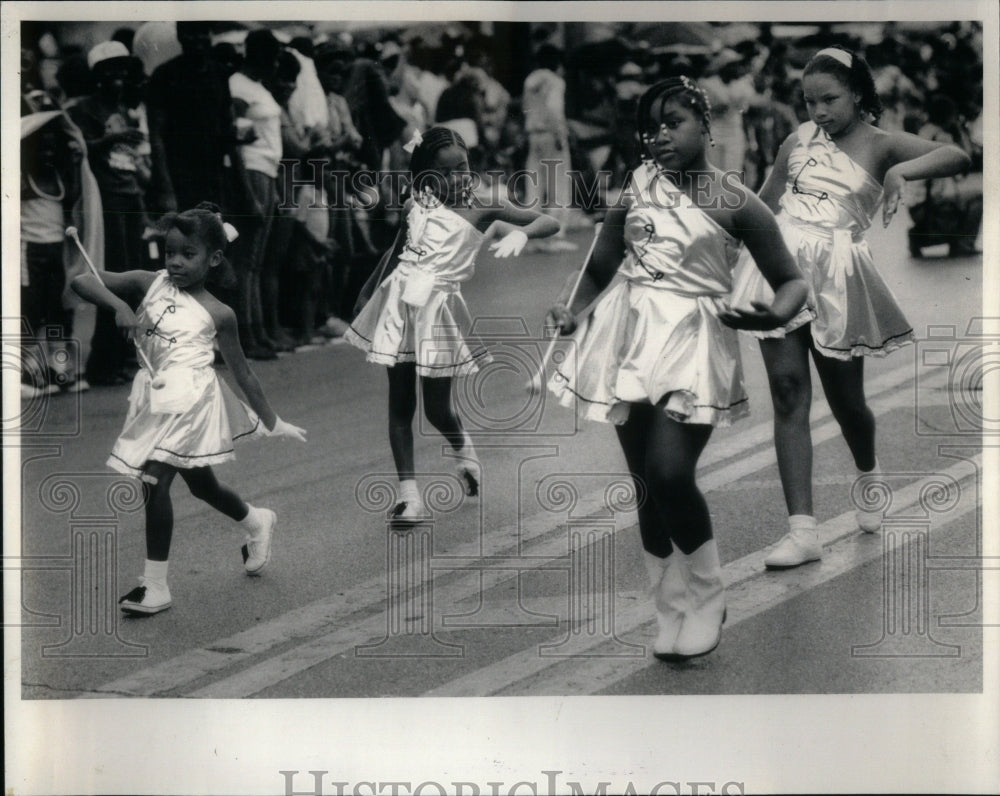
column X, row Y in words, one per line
column 801, row 522
column 252, row 523
column 467, row 451
column 408, row 492
column 156, row 571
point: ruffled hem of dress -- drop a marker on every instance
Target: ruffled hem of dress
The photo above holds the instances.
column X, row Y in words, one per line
column 681, row 406
column 804, row 316
column 864, row 350
column 464, row 368
column 179, row 461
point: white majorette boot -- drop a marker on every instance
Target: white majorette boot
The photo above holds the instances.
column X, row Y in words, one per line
column 868, row 521
column 256, row 550
column 701, row 628
column 799, row 546
column 668, row 591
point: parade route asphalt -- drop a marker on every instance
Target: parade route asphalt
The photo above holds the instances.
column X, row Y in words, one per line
column 536, row 586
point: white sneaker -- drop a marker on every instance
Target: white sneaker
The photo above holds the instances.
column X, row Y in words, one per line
column 799, row 546
column 407, row 514
column 257, row 549
column 868, row 521
column 149, row 597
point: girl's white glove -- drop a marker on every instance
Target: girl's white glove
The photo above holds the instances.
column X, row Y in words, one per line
column 511, row 244
column 283, row 429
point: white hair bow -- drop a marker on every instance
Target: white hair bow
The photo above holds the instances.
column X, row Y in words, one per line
column 414, row 142
column 230, row 230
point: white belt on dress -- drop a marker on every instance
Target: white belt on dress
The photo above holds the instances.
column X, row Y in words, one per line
column 841, row 243
column 405, row 269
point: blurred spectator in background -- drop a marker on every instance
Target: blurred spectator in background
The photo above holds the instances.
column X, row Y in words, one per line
column 155, row 43
column 350, row 227
column 367, row 93
column 261, row 154
column 730, row 91
column 626, row 154
column 299, row 240
column 495, row 104
column 283, row 260
column 771, row 119
column 227, row 58
column 307, row 105
column 403, row 83
column 426, row 73
column 461, row 108
column 57, row 189
column 947, row 209
column 74, row 79
column 135, row 101
column 895, row 89
column 113, row 147
column 124, row 36
column 191, row 129
column 593, row 119
column 547, row 185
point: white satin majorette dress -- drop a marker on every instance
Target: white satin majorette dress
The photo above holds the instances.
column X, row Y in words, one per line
column 176, row 333
column 440, row 253
column 655, row 336
column 828, row 204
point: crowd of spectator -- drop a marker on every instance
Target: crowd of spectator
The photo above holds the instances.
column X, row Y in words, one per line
column 165, row 116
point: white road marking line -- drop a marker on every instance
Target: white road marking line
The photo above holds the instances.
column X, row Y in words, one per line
column 751, row 591
column 304, row 622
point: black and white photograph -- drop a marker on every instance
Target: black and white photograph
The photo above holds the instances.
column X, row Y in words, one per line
column 501, row 398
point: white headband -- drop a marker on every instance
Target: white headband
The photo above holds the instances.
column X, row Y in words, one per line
column 836, row 55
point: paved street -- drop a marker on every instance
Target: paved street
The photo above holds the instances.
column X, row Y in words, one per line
column 536, row 586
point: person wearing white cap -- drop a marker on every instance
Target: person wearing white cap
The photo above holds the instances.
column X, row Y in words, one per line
column 112, row 137
column 54, row 189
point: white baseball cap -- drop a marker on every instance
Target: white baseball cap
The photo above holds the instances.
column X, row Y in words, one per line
column 105, row 51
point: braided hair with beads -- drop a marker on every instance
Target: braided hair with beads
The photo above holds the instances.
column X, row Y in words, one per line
column 682, row 89
column 423, row 175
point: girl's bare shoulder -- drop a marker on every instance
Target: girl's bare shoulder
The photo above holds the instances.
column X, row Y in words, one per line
column 222, row 314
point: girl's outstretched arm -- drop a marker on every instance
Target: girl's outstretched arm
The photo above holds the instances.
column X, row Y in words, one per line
column 232, row 353
column 512, row 227
column 909, row 157
column 756, row 225
column 111, row 294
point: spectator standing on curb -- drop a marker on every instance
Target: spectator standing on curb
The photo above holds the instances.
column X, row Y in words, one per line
column 547, row 183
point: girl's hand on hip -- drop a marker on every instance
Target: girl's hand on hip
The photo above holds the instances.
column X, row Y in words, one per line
column 760, row 319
